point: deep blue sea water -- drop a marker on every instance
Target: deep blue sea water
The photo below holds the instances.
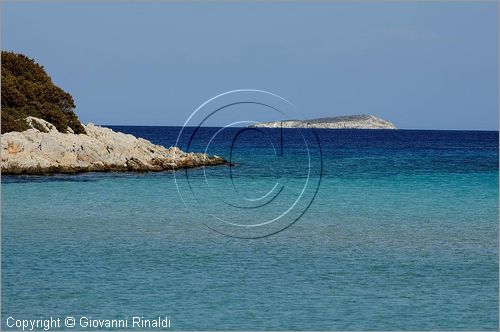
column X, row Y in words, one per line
column 383, row 230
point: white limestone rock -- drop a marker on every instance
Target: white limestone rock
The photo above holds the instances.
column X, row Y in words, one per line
column 43, row 149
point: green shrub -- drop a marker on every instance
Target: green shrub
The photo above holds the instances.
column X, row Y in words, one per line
column 27, row 90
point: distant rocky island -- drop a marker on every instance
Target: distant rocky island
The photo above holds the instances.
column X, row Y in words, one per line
column 337, row 122
column 41, row 133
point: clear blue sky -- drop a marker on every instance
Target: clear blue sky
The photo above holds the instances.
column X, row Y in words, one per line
column 421, row 65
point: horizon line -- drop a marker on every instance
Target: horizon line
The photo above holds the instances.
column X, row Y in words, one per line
column 397, row 129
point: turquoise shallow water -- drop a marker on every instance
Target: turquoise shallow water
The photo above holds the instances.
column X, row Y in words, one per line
column 402, row 234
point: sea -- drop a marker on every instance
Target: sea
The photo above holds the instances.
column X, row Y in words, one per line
column 302, row 229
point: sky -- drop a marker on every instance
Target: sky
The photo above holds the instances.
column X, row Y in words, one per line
column 431, row 65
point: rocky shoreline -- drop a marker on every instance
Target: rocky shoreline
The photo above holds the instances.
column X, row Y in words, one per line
column 42, row 149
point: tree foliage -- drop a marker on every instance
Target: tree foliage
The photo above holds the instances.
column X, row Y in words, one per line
column 27, row 90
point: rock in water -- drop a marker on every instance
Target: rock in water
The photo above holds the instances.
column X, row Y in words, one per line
column 338, row 122
column 43, row 149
